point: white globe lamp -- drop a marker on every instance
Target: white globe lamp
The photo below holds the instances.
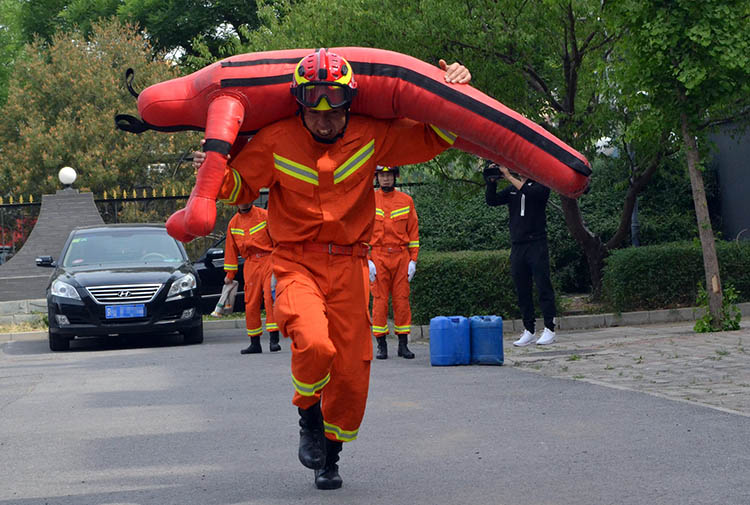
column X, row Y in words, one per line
column 67, row 176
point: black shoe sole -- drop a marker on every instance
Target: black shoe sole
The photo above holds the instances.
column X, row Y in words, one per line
column 327, row 483
column 328, row 486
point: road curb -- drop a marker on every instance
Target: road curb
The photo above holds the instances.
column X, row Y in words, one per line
column 510, row 327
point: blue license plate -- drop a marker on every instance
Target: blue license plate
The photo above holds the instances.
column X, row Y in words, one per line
column 121, row 311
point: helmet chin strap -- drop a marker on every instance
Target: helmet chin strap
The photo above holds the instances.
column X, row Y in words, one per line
column 321, row 139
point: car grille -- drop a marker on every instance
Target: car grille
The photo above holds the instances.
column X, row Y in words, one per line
column 130, row 293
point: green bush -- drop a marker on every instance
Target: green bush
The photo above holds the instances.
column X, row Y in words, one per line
column 667, row 275
column 464, row 283
column 453, row 216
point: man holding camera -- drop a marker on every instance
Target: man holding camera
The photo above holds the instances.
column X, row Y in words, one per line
column 529, row 253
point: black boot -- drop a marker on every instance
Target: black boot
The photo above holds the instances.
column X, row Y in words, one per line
column 328, row 477
column 404, row 351
column 254, row 347
column 312, row 437
column 274, row 341
column 382, row 348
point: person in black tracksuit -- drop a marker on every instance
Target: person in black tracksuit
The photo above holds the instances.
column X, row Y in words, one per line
column 529, row 254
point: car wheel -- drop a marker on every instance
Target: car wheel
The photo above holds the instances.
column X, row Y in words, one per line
column 57, row 343
column 193, row 335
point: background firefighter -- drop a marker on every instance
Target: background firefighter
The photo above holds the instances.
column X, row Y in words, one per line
column 395, row 248
column 247, row 236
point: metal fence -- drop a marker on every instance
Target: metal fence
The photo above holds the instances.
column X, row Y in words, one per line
column 143, row 205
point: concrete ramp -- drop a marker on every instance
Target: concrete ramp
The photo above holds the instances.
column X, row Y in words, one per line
column 20, row 278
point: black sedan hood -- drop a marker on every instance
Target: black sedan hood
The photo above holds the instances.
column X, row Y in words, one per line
column 140, row 274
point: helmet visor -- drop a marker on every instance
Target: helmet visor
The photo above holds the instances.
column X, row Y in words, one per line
column 310, row 94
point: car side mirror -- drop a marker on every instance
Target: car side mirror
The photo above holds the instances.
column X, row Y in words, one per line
column 214, row 253
column 45, row 261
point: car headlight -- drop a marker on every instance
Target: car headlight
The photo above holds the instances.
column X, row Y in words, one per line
column 182, row 284
column 64, row 290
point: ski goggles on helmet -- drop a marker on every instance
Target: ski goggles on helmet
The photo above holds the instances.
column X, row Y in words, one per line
column 311, row 94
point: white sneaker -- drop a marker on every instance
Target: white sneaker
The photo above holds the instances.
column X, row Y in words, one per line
column 548, row 337
column 526, row 338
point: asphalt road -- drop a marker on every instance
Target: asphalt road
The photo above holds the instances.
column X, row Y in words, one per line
column 160, row 423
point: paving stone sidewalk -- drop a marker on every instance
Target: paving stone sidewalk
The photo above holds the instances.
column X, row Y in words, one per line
column 668, row 360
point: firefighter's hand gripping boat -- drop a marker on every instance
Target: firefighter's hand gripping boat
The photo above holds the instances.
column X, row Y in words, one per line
column 237, row 96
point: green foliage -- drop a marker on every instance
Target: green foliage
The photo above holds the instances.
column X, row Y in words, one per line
column 685, row 56
column 666, row 275
column 10, row 43
column 463, row 283
column 171, row 25
column 730, row 314
column 60, row 110
column 454, row 217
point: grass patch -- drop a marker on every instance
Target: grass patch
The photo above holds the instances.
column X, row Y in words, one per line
column 23, row 327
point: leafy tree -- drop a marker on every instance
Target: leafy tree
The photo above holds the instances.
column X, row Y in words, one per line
column 60, row 109
column 171, row 25
column 10, row 43
column 689, row 64
column 547, row 59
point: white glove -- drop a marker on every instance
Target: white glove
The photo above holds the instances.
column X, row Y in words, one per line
column 373, row 270
column 411, row 270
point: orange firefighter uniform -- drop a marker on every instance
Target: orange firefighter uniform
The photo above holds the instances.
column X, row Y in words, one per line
column 395, row 242
column 321, row 207
column 247, row 236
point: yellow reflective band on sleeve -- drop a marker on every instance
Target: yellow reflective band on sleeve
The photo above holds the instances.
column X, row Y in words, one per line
column 272, row 327
column 340, row 434
column 400, row 212
column 237, row 231
column 379, row 329
column 449, row 137
column 402, row 329
column 296, row 170
column 352, row 164
column 310, row 389
column 256, row 228
column 379, row 212
column 414, row 243
column 236, row 189
column 255, row 332
column 230, row 267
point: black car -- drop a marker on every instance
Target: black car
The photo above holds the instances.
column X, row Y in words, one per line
column 122, row 279
column 210, row 268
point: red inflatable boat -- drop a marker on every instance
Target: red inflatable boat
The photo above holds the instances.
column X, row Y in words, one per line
column 237, row 96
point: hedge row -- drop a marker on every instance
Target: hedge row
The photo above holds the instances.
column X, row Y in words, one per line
column 667, row 275
column 463, row 283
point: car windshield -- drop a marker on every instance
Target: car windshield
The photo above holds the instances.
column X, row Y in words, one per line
column 118, row 246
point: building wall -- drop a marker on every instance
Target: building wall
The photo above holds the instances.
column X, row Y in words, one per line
column 731, row 159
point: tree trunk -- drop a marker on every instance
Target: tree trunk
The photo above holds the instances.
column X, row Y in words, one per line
column 705, row 231
column 594, row 249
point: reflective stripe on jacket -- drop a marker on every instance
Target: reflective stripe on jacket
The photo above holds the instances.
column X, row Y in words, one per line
column 396, row 222
column 247, row 236
column 323, row 192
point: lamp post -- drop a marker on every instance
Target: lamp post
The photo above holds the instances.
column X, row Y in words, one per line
column 67, row 176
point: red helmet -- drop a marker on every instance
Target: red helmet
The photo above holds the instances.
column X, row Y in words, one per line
column 323, row 81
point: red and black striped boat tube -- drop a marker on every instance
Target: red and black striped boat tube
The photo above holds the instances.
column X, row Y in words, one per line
column 237, row 96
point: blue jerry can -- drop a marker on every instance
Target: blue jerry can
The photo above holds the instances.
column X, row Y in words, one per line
column 486, row 340
column 449, row 341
